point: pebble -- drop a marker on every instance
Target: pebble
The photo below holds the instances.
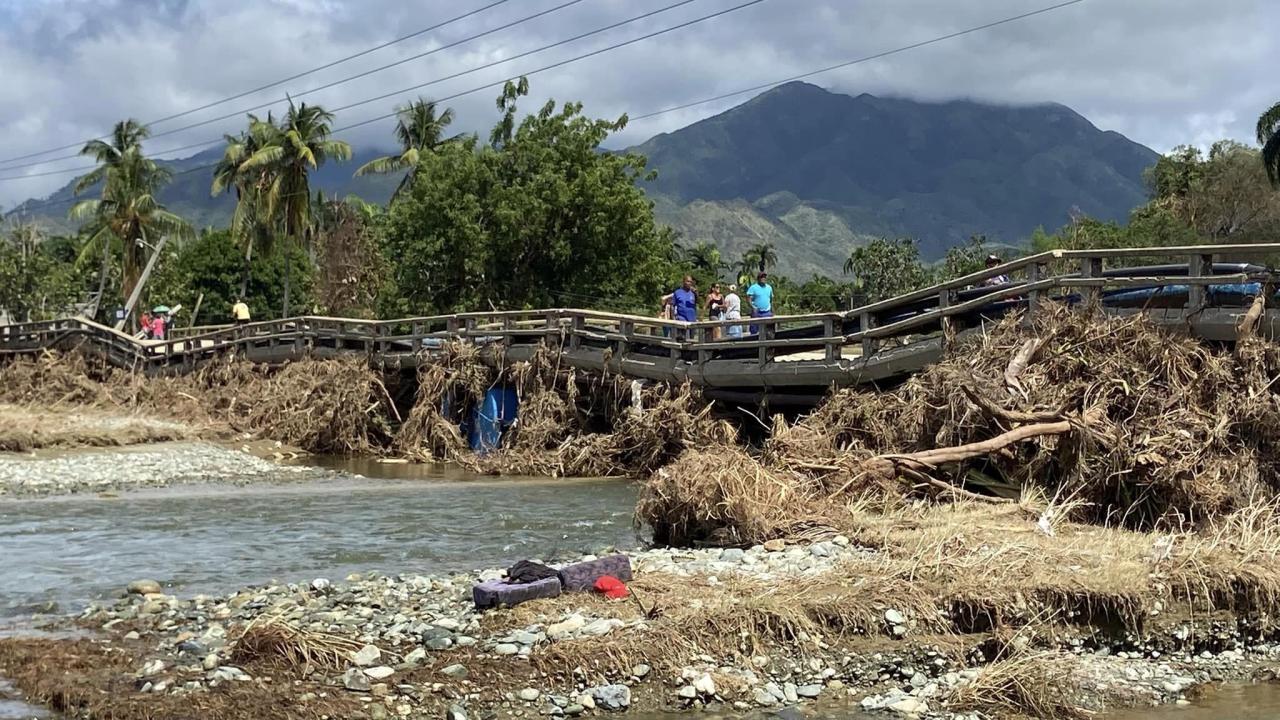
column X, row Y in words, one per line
column 809, row 691
column 355, row 680
column 367, row 655
column 455, row 712
column 144, row 587
column 458, row 672
column 640, row 671
column 611, row 697
column 529, row 694
column 381, row 672
column 506, row 649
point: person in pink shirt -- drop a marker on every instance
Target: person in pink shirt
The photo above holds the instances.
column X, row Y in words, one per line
column 158, row 326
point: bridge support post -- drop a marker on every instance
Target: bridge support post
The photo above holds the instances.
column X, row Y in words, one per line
column 869, row 345
column 1091, row 268
column 626, row 328
column 577, row 326
column 834, row 348
column 704, row 336
column 1035, row 273
column 1198, row 266
column 416, row 330
column 768, row 331
column 554, row 333
column 948, row 332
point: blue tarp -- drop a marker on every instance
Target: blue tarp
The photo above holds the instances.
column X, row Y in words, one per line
column 497, row 413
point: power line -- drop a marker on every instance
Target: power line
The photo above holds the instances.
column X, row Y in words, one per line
column 867, row 58
column 316, row 89
column 436, row 81
column 480, row 88
column 655, row 113
column 277, row 83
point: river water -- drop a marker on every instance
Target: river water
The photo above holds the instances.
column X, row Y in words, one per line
column 58, row 554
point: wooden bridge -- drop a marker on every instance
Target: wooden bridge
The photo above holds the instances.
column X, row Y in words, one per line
column 1202, row 290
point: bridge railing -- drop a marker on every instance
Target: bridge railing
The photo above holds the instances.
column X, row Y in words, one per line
column 1078, row 274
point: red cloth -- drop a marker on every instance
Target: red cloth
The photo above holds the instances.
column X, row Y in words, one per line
column 611, row 587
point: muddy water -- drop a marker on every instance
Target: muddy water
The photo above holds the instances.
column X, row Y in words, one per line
column 1229, row 702
column 60, row 553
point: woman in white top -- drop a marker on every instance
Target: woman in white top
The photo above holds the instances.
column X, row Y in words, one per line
column 733, row 311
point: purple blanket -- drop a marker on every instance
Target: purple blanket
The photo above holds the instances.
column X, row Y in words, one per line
column 493, row 593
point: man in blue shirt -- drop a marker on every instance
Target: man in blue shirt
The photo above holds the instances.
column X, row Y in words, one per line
column 760, row 295
column 684, row 301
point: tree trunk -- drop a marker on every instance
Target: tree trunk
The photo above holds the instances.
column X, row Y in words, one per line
column 102, row 279
column 287, row 273
column 244, row 275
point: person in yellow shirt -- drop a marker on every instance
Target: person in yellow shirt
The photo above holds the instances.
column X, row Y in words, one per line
column 240, row 311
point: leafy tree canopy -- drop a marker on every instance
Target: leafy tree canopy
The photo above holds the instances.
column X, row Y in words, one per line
column 539, row 217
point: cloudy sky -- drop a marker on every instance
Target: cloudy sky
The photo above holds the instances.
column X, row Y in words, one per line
column 1163, row 72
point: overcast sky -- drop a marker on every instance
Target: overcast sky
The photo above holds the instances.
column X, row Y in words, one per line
column 1163, row 72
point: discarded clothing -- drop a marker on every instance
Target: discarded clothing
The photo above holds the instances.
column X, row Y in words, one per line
column 611, row 587
column 494, row 593
column 527, row 571
column 581, row 577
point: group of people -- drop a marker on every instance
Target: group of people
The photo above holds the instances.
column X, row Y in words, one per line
column 157, row 325
column 683, row 304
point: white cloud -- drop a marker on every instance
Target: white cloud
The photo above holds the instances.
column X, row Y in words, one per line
column 1164, row 72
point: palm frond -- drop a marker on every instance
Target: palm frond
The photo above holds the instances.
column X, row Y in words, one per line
column 1269, row 124
column 382, row 166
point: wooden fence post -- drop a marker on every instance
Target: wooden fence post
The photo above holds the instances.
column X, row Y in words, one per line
column 1091, row 268
column 870, row 346
column 1198, row 266
column 1035, row 274
column 834, row 349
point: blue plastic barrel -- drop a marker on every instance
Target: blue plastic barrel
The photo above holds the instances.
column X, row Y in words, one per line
column 494, row 415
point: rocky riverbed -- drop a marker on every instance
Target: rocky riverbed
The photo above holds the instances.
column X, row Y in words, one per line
column 145, row 466
column 414, row 646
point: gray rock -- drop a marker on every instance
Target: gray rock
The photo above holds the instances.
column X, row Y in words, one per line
column 458, row 672
column 809, row 691
column 919, row 680
column 416, row 657
column 687, row 692
column 775, row 691
column 188, row 647
column 611, row 697
column 367, row 655
column 506, row 649
column 227, row 672
column 355, row 680
column 529, row 694
column 705, row 685
column 640, row 671
column 144, row 587
column 455, row 712
column 764, row 698
column 439, row 643
column 552, row 710
column 789, row 692
column 893, row 617
column 820, row 550
column 210, row 661
column 381, row 672
column 151, row 669
column 321, row 586
column 574, row 710
column 910, row 706
column 435, row 633
column 603, row 626
column 732, row 555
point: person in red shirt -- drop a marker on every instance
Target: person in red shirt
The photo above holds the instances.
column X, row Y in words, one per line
column 158, row 326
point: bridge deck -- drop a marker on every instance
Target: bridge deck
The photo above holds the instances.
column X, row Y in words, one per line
column 799, row 355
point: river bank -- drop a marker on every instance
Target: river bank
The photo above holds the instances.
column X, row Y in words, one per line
column 832, row 621
column 713, row 629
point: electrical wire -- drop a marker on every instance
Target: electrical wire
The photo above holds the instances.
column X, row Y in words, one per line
column 279, row 82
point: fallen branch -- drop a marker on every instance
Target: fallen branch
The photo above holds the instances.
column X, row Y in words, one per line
column 1012, row 416
column 1248, row 326
column 1018, row 363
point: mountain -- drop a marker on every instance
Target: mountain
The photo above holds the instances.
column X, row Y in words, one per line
column 188, row 194
column 816, row 173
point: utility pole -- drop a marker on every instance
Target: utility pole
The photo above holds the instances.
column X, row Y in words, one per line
column 142, row 281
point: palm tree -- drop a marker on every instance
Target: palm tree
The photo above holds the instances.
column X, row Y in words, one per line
column 287, row 154
column 419, row 131
column 759, row 259
column 250, row 226
column 127, row 215
column 1269, row 139
column 705, row 258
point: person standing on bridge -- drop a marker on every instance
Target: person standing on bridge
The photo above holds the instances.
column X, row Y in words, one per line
column 684, row 301
column 240, row 312
column 760, row 295
column 733, row 311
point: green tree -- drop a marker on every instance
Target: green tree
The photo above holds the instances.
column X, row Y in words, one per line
column 209, row 270
column 289, row 152
column 538, row 217
column 1224, row 196
column 964, row 259
column 35, row 284
column 251, row 227
column 1269, row 139
column 757, row 259
column 419, row 131
column 127, row 216
column 884, row 268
